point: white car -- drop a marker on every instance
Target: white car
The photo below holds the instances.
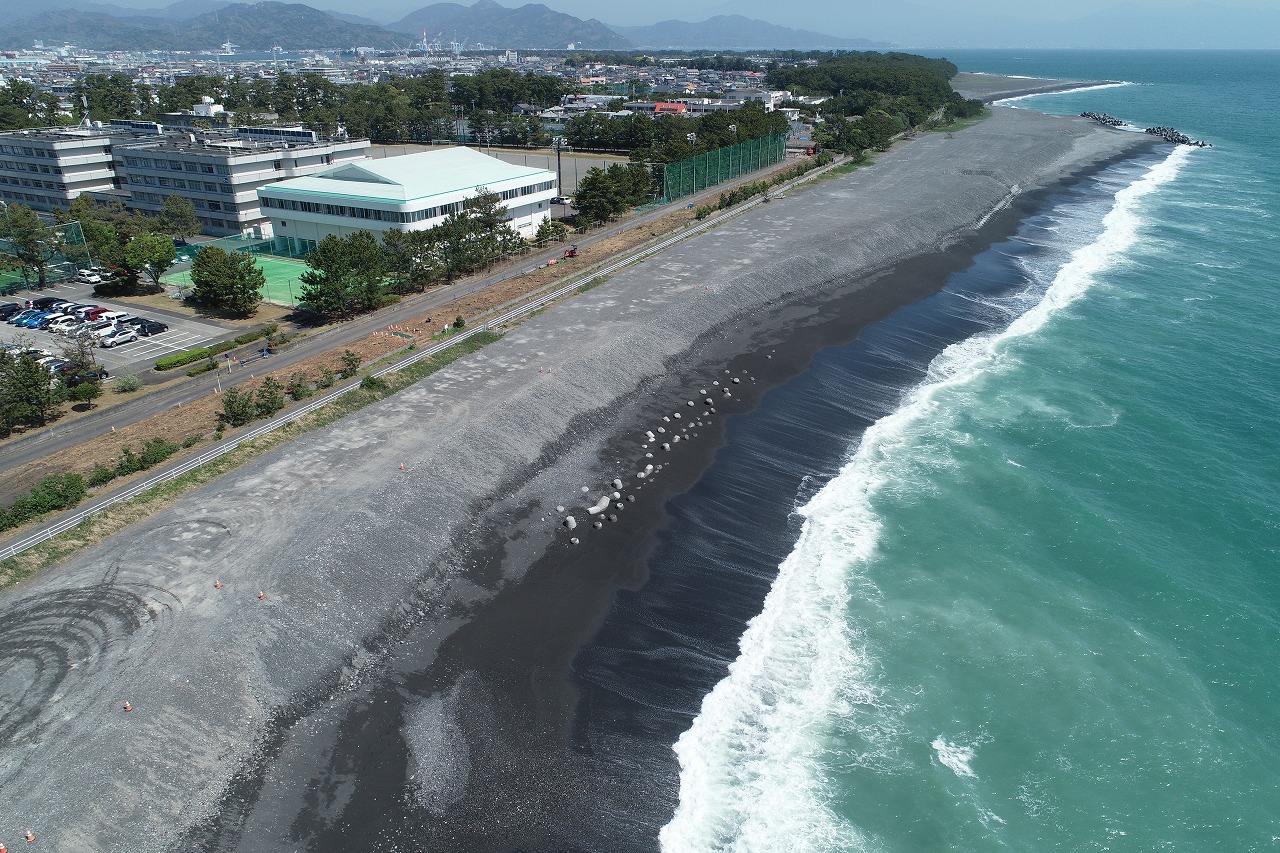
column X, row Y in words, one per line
column 121, row 335
column 88, row 277
column 64, row 324
column 99, row 331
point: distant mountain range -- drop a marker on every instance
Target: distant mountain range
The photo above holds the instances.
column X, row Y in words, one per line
column 734, row 32
column 205, row 24
column 532, row 26
column 254, row 27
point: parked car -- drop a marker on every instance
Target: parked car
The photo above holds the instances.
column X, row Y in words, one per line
column 43, row 302
column 50, row 318
column 147, row 328
column 91, row 327
column 88, row 277
column 119, row 335
column 99, row 375
column 64, row 324
column 102, row 328
column 33, row 320
column 17, row 319
column 94, row 313
column 9, row 309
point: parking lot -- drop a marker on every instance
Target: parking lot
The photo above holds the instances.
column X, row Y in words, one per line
column 184, row 333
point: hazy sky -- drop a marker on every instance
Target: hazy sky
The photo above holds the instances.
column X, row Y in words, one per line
column 935, row 23
column 962, row 23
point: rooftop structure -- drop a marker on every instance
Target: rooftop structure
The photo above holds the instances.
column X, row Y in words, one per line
column 412, row 192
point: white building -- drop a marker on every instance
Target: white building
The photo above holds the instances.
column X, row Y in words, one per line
column 46, row 168
column 412, row 192
column 221, row 172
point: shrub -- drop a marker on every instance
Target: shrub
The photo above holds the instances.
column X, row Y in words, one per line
column 265, row 332
column 237, row 407
column 128, row 462
column 458, row 322
column 100, row 476
column 299, row 386
column 373, row 383
column 326, row 379
column 53, row 492
column 350, row 363
column 269, row 398
column 191, row 441
column 221, row 347
column 155, row 451
column 203, row 368
column 127, row 383
column 181, row 359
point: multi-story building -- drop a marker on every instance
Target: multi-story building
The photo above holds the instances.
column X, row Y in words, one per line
column 46, row 169
column 407, row 193
column 221, row 173
column 143, row 163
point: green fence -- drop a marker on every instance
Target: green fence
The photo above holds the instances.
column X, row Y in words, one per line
column 706, row 170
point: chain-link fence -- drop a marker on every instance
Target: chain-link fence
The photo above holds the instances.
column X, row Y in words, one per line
column 695, row 174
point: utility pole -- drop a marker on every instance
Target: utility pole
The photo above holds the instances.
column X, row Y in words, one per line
column 557, row 143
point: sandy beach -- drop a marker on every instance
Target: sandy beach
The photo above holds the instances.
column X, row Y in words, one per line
column 402, row 682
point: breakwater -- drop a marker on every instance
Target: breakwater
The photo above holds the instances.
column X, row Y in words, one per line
column 1168, row 134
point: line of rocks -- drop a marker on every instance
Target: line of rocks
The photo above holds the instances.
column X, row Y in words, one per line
column 1168, row 134
column 1103, row 118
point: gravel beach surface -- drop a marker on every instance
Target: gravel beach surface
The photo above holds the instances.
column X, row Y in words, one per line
column 382, row 660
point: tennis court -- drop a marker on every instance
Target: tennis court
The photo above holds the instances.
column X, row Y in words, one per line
column 282, row 287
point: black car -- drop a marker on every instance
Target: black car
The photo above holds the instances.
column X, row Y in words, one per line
column 8, row 309
column 75, row 379
column 43, row 303
column 147, row 328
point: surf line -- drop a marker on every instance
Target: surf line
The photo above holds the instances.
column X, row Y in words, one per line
column 1000, row 205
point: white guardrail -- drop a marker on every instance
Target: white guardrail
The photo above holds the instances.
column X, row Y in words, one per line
column 227, row 445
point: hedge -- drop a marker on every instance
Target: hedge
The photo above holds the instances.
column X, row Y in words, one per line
column 178, row 359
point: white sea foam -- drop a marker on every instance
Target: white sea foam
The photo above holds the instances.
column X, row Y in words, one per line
column 954, row 757
column 751, row 777
column 1003, row 102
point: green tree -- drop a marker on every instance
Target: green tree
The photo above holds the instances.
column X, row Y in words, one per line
column 345, row 274
column 86, row 392
column 22, row 105
column 269, row 397
column 33, row 244
column 110, row 96
column 238, row 407
column 151, row 254
column 179, row 217
column 28, row 396
column 230, row 281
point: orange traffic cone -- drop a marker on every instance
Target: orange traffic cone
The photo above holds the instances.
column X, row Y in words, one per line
column 30, row 836
column 401, row 466
column 261, row 595
column 128, row 707
column 217, row 584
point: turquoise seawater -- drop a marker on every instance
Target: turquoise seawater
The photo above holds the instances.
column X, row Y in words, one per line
column 1038, row 607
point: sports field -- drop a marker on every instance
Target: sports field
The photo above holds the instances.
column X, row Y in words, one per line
column 282, row 287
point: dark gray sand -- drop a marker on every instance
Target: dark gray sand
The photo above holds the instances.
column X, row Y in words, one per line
column 447, row 590
column 995, row 87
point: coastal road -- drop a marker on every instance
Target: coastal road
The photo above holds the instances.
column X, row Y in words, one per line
column 59, row 438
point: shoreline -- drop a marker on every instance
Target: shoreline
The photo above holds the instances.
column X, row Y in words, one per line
column 385, row 584
column 994, row 88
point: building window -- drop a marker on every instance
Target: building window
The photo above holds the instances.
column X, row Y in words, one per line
column 192, row 167
column 175, row 165
column 207, row 168
column 279, row 164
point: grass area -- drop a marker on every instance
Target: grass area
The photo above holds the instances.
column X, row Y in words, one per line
column 962, row 123
column 101, row 525
column 595, row 282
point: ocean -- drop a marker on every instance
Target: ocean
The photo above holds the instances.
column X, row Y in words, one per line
column 1001, row 573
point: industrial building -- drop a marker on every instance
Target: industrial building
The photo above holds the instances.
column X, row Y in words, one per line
column 409, row 193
